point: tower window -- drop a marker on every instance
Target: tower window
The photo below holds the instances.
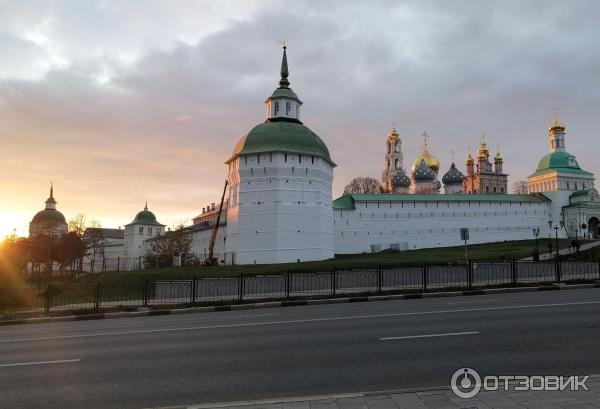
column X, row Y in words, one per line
column 276, row 108
column 288, row 108
column 141, row 230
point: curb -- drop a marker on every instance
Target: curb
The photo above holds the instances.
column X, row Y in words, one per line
column 312, row 398
column 294, row 303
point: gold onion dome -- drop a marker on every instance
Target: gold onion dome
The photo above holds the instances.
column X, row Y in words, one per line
column 483, row 152
column 498, row 157
column 556, row 124
column 430, row 160
column 469, row 158
column 393, row 134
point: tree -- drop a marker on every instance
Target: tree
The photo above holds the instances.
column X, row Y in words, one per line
column 520, row 187
column 80, row 222
column 175, row 242
column 14, row 256
column 362, row 185
column 70, row 249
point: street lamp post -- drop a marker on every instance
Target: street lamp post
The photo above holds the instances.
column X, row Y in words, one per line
column 556, row 229
column 536, row 234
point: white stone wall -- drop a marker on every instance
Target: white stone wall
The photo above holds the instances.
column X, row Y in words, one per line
column 135, row 240
column 280, row 208
column 413, row 225
column 201, row 244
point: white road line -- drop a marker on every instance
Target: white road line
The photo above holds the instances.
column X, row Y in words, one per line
column 472, row 302
column 61, row 361
column 300, row 321
column 449, row 334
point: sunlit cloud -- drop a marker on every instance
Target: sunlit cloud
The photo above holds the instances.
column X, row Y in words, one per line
column 119, row 103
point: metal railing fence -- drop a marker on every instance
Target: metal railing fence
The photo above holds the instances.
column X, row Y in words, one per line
column 474, row 274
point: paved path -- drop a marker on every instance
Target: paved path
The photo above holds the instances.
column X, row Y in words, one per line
column 432, row 399
column 569, row 250
column 297, row 351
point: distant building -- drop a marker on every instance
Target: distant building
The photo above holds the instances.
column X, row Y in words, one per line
column 481, row 178
column 49, row 222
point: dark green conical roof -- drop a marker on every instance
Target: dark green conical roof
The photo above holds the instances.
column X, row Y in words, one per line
column 146, row 217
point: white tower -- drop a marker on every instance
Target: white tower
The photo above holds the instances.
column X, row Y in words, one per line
column 142, row 228
column 280, row 177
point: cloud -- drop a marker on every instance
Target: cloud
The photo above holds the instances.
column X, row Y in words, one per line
column 149, row 109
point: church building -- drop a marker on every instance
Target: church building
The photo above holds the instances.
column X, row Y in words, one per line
column 279, row 207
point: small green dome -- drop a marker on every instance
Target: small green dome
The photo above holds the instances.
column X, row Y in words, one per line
column 559, row 161
column 145, row 217
column 282, row 136
column 49, row 216
column 284, row 92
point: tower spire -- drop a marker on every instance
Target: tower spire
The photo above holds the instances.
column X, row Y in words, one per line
column 146, row 206
column 283, row 82
column 51, row 190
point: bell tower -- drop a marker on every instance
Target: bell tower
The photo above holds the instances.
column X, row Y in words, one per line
column 393, row 159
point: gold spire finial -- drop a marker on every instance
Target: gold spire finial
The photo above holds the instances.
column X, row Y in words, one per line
column 498, row 157
column 469, row 157
column 555, row 122
column 425, row 139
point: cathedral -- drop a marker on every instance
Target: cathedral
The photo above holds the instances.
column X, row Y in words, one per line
column 279, row 206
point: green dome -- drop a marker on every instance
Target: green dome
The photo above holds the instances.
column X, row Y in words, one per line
column 282, row 136
column 145, row 217
column 49, row 216
column 284, row 92
column 559, row 162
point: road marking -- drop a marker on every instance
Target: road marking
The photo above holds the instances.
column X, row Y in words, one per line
column 61, row 361
column 300, row 321
column 449, row 334
column 472, row 302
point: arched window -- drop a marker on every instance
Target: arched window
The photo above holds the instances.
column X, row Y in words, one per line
column 501, row 190
column 276, row 108
column 568, row 185
column 487, row 189
column 494, row 190
column 396, row 147
column 396, row 164
column 288, row 108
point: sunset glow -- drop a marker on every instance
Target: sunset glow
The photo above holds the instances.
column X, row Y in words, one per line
column 119, row 106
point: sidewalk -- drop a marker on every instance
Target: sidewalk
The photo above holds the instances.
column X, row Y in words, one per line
column 549, row 256
column 431, row 399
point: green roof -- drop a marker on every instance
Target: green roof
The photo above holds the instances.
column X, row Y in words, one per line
column 348, row 201
column 282, row 136
column 284, row 92
column 559, row 162
column 146, row 217
column 49, row 216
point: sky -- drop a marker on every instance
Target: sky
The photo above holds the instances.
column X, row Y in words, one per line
column 122, row 102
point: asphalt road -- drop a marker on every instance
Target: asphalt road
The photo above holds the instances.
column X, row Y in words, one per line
column 296, row 351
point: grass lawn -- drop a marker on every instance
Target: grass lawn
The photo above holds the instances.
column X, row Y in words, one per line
column 444, row 255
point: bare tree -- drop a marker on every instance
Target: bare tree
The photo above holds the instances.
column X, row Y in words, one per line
column 520, row 187
column 362, row 184
column 80, row 222
column 174, row 242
